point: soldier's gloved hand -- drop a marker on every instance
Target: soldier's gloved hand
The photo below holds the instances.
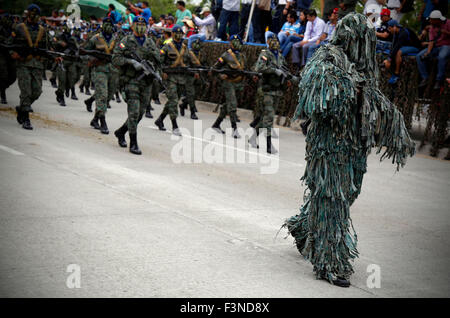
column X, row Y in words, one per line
column 137, row 66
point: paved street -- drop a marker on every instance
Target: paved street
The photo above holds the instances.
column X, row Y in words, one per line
column 146, row 226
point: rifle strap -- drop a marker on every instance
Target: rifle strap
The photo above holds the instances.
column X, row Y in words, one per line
column 233, row 56
column 108, row 48
column 179, row 59
column 27, row 35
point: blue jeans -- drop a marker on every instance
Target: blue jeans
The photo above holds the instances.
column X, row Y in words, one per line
column 409, row 50
column 442, row 53
column 194, row 37
column 313, row 49
column 231, row 18
column 282, row 37
column 290, row 40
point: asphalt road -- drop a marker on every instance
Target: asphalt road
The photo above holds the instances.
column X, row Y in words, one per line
column 150, row 226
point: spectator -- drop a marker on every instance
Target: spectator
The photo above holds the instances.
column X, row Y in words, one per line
column 245, row 13
column 129, row 16
column 372, row 11
column 396, row 6
column 314, row 29
column 188, row 27
column 279, row 16
column 208, row 30
column 182, row 13
column 151, row 22
column 167, row 36
column 325, row 37
column 346, row 6
column 161, row 22
column 303, row 5
column 229, row 15
column 216, row 6
column 62, row 17
column 372, row 4
column 384, row 37
column 327, row 7
column 263, row 20
column 292, row 32
column 405, row 42
column 439, row 46
column 144, row 11
column 170, row 22
column 115, row 16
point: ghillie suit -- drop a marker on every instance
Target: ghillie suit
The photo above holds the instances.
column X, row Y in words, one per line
column 349, row 115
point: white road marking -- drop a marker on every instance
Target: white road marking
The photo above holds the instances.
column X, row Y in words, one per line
column 11, row 151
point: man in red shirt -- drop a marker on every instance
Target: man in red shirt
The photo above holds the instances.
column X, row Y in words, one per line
column 439, row 46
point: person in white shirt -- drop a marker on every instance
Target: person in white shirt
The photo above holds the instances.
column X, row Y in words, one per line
column 229, row 15
column 208, row 29
column 314, row 29
column 395, row 6
column 326, row 35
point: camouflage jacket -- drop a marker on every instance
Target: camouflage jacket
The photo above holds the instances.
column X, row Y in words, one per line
column 267, row 64
column 123, row 51
column 31, row 36
column 99, row 43
column 232, row 61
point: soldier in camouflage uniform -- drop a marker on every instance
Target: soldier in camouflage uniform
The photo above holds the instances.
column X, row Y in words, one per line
column 192, row 80
column 86, row 83
column 29, row 68
column 7, row 66
column 232, row 59
column 269, row 63
column 102, row 73
column 66, row 70
column 173, row 54
column 136, row 92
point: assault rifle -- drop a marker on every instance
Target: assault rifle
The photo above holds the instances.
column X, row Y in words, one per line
column 148, row 69
column 212, row 70
column 287, row 76
column 24, row 51
column 97, row 54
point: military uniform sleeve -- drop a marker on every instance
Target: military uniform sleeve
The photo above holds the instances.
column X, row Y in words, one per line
column 263, row 64
column 220, row 63
column 118, row 57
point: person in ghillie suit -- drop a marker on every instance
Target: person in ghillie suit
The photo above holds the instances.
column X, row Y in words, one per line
column 349, row 115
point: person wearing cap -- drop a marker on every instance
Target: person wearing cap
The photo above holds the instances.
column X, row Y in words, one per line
column 327, row 7
column 270, row 63
column 384, row 37
column 372, row 11
column 170, row 22
column 136, row 90
column 102, row 74
column 174, row 54
column 144, row 10
column 405, row 42
column 29, row 67
column 208, row 28
column 438, row 47
column 327, row 33
column 182, row 13
column 188, row 27
column 231, row 59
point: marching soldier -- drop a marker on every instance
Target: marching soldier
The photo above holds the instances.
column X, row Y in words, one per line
column 270, row 63
column 103, row 41
column 232, row 59
column 136, row 91
column 173, row 54
column 66, row 70
column 7, row 66
column 29, row 68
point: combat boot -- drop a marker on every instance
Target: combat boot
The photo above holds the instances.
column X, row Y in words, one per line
column 26, row 121
column 108, row 105
column 118, row 97
column 120, row 134
column 81, row 88
column 193, row 115
column 3, row 96
column 175, row 130
column 253, row 140
column 157, row 101
column 134, row 148
column 53, row 82
column 73, row 96
column 235, row 133
column 19, row 115
column 67, row 92
column 87, row 91
column 255, row 122
column 216, row 126
column 44, row 76
column 270, row 148
column 88, row 103
column 159, row 122
column 148, row 113
column 182, row 108
column 103, row 125
column 94, row 122
column 60, row 99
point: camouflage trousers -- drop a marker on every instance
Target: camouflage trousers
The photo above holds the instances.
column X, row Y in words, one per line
column 271, row 100
column 30, row 85
column 155, row 89
column 137, row 97
column 174, row 86
column 230, row 106
column 86, row 70
column 103, row 90
column 190, row 86
column 7, row 71
column 259, row 105
column 115, row 73
column 67, row 77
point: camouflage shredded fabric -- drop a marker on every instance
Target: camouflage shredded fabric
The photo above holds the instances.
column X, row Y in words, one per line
column 349, row 116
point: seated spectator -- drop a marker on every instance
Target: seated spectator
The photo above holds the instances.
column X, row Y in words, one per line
column 161, row 22
column 327, row 33
column 182, row 13
column 229, row 15
column 291, row 32
column 384, row 37
column 439, row 46
column 208, row 30
column 170, row 22
column 405, row 42
column 188, row 27
column 314, row 29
